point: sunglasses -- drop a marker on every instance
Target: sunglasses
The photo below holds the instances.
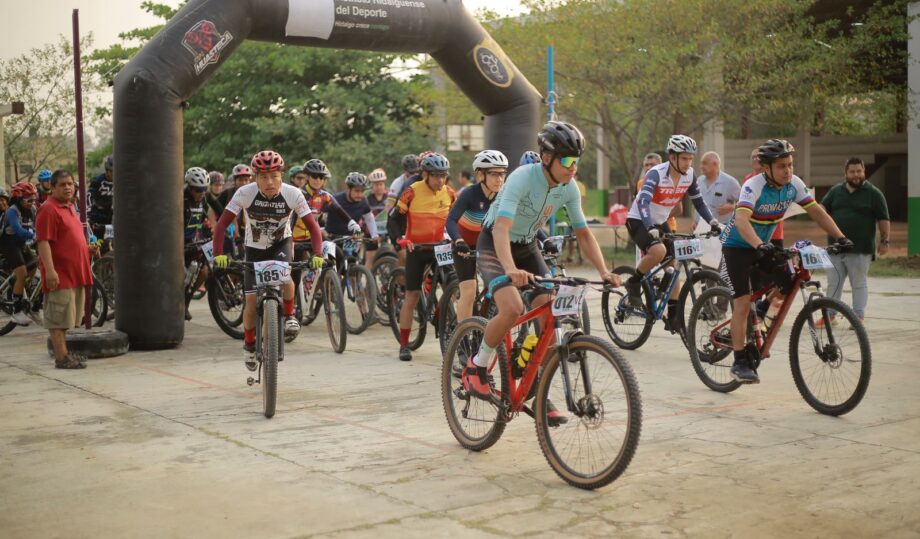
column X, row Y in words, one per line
column 199, row 189
column 317, row 177
column 568, row 162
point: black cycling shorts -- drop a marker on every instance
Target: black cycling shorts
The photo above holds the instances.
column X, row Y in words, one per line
column 282, row 251
column 643, row 239
column 465, row 266
column 745, row 270
column 417, row 261
column 526, row 256
column 17, row 255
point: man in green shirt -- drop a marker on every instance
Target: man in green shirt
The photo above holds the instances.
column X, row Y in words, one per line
column 856, row 206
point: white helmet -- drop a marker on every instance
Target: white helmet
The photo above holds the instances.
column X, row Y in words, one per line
column 378, row 175
column 490, row 159
column 241, row 170
column 681, row 144
column 197, row 177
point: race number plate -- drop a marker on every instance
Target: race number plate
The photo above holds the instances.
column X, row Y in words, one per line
column 814, row 257
column 568, row 300
column 688, row 249
column 444, row 254
column 109, row 232
column 207, row 249
column 272, row 272
column 350, row 247
column 328, row 249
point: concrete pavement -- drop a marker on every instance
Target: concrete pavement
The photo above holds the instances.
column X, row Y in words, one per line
column 173, row 444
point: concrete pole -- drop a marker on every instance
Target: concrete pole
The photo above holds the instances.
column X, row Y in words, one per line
column 913, row 132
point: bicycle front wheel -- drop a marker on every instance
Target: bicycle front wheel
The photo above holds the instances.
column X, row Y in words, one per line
column 709, row 339
column 271, row 351
column 698, row 282
column 382, row 269
column 361, row 299
column 334, row 305
column 6, row 304
column 597, row 442
column 226, row 300
column 447, row 314
column 100, row 305
column 475, row 423
column 832, row 368
column 629, row 327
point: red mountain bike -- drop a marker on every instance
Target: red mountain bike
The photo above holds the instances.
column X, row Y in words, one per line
column 587, row 374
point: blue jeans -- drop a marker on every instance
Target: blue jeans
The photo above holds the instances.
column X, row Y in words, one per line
column 856, row 267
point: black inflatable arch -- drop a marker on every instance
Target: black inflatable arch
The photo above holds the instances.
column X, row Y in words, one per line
column 150, row 91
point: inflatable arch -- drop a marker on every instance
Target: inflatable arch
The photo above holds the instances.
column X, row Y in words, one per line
column 152, row 88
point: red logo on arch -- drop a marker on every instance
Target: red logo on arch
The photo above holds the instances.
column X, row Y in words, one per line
column 205, row 44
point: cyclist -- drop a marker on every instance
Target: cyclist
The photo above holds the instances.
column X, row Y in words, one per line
column 465, row 222
column 746, row 245
column 321, row 202
column 507, row 246
column 44, row 187
column 410, row 165
column 378, row 195
column 17, row 234
column 212, row 197
column 100, row 199
column 421, row 214
column 529, row 157
column 240, row 175
column 356, row 208
column 195, row 214
column 663, row 188
column 268, row 204
column 297, row 177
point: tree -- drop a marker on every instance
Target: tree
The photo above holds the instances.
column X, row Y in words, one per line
column 43, row 137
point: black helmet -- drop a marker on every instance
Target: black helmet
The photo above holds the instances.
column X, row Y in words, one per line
column 436, row 163
column 356, row 179
column 773, row 149
column 410, row 163
column 109, row 162
column 561, row 138
column 316, row 167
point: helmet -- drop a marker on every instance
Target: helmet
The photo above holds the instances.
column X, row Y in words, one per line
column 316, row 168
column 356, row 179
column 681, row 144
column 241, row 170
column 109, row 162
column 435, row 162
column 267, row 161
column 295, row 170
column 24, row 189
column 215, row 177
column 410, row 162
column 44, row 175
column 490, row 159
column 773, row 149
column 561, row 138
column 423, row 155
column 197, row 177
column 4, row 194
column 529, row 158
column 378, row 175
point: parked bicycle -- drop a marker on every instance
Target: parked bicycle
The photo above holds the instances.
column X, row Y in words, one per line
column 597, row 385
column 629, row 325
column 831, row 368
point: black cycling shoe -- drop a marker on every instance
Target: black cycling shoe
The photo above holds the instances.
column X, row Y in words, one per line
column 633, row 291
column 188, row 315
column 249, row 356
column 405, row 354
column 554, row 417
column 742, row 372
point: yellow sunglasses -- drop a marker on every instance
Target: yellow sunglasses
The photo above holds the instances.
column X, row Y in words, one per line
column 567, row 162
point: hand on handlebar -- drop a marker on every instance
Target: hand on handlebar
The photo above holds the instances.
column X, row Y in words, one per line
column 520, row 277
column 462, row 248
column 611, row 278
column 406, row 244
column 844, row 243
column 317, row 262
column 221, row 261
column 715, row 227
column 354, row 227
column 766, row 249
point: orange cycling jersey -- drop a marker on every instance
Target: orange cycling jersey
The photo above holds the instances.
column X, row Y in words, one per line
column 426, row 211
column 319, row 202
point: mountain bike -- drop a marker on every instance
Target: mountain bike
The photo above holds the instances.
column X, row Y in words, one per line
column 269, row 276
column 33, row 300
column 436, row 278
column 327, row 296
column 359, row 284
column 629, row 325
column 385, row 261
column 226, row 297
column 831, row 368
column 588, row 374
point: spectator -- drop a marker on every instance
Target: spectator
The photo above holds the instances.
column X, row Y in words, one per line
column 756, row 168
column 856, row 206
column 651, row 160
column 720, row 191
column 465, row 180
column 64, row 265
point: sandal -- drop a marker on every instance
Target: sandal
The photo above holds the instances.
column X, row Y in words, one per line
column 69, row 362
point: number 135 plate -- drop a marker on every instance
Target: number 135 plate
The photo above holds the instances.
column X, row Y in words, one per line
column 568, row 300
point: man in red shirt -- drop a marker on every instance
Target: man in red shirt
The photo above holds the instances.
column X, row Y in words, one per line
column 64, row 264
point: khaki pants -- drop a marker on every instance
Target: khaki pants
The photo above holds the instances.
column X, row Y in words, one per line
column 63, row 308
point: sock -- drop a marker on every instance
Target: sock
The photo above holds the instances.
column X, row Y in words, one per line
column 249, row 336
column 17, row 302
column 288, row 307
column 485, row 355
column 672, row 309
column 637, row 277
column 404, row 336
column 740, row 356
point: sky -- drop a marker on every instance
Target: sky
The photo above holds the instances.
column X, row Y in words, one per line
column 38, row 22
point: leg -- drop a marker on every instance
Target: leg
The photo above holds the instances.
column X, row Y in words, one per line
column 737, row 266
column 510, row 307
column 58, row 343
column 858, row 270
column 467, row 297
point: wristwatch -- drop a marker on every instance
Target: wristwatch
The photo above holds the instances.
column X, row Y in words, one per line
column 885, row 242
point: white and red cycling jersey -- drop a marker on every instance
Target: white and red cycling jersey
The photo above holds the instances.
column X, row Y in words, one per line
column 660, row 193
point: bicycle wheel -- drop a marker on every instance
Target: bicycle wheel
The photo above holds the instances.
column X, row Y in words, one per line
column 626, row 325
column 709, row 339
column 100, row 305
column 226, row 300
column 831, row 369
column 271, row 350
column 104, row 270
column 599, row 440
column 6, row 304
column 382, row 269
column 334, row 305
column 360, row 298
column 698, row 282
column 397, row 295
column 447, row 314
column 585, row 318
column 475, row 423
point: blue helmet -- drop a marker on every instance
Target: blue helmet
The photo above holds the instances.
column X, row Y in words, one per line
column 530, row 157
column 44, row 175
column 436, row 163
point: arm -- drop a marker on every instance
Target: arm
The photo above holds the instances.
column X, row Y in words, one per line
column 501, row 233
column 819, row 216
column 13, row 221
column 884, row 228
column 456, row 212
column 743, row 224
column 220, row 230
column 644, row 198
column 588, row 245
column 697, row 198
column 51, row 276
column 371, row 224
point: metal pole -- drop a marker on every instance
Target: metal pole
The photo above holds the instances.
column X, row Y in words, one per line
column 551, row 113
column 81, row 165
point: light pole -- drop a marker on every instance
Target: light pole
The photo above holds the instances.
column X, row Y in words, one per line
column 16, row 107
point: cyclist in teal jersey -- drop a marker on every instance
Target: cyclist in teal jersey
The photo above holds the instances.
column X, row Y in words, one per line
column 507, row 248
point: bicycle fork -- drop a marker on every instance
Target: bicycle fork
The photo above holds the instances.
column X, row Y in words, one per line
column 562, row 349
column 260, row 310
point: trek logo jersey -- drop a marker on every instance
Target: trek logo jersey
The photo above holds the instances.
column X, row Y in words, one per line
column 660, row 193
column 268, row 221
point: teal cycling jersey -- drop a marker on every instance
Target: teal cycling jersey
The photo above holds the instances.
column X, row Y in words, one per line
column 767, row 205
column 528, row 201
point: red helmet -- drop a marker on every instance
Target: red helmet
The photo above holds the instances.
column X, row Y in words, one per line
column 267, row 161
column 24, row 189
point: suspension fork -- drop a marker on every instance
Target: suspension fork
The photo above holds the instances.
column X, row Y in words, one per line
column 562, row 349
